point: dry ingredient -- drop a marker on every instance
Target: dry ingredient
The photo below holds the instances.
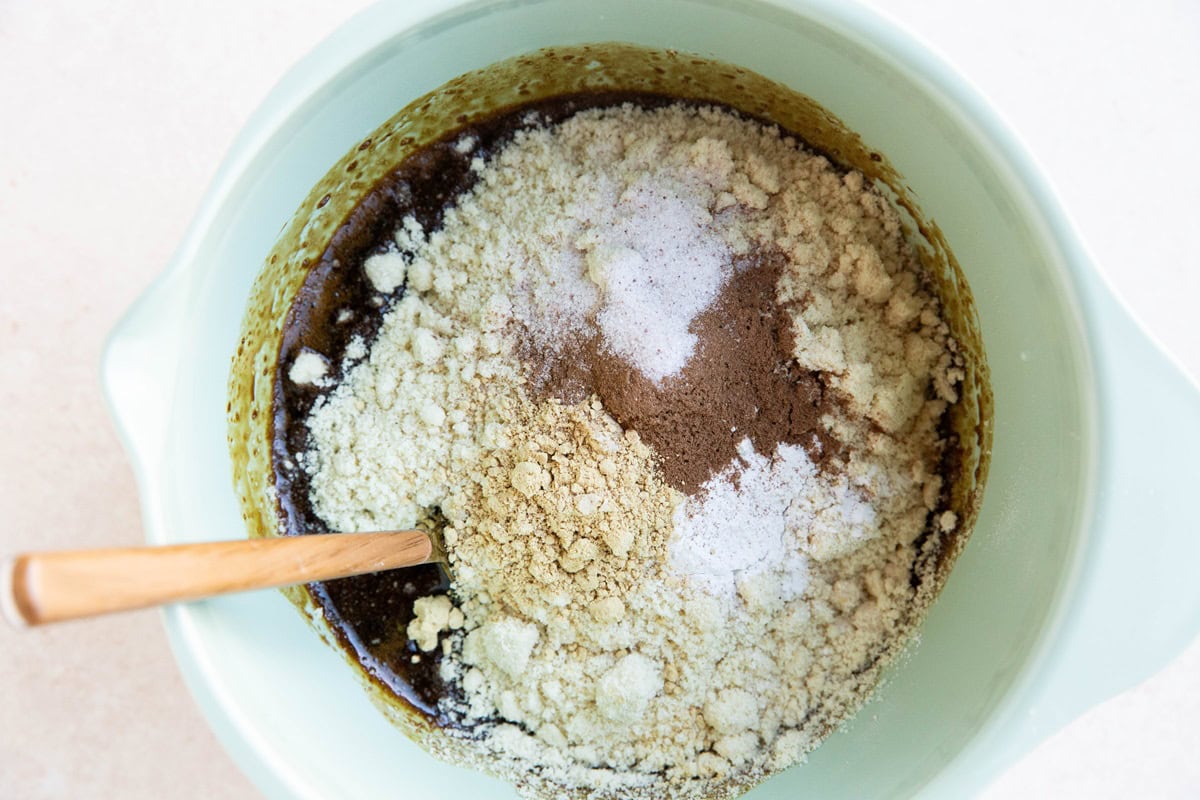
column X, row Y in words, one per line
column 741, row 383
column 674, row 384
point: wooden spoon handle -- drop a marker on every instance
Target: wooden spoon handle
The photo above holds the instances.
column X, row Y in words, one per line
column 51, row 587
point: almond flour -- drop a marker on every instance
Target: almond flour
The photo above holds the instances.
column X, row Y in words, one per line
column 617, row 624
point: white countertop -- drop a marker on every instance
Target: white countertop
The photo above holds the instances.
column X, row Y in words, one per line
column 111, row 124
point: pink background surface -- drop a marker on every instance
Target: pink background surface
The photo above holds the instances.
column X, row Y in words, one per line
column 111, row 124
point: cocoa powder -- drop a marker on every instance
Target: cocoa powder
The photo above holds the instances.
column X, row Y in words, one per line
column 742, row 383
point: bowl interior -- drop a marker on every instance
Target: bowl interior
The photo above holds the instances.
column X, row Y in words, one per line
column 293, row 711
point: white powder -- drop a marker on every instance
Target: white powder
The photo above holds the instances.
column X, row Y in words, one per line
column 432, row 616
column 623, row 692
column 310, row 367
column 658, row 263
column 506, row 643
column 636, row 247
column 386, row 271
column 750, row 528
column 739, row 526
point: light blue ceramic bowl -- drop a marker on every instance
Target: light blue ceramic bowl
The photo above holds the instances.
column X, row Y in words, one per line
column 1078, row 581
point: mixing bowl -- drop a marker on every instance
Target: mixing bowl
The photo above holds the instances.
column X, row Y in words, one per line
column 1075, row 584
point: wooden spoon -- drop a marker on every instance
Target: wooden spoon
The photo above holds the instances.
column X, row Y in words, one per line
column 70, row 584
